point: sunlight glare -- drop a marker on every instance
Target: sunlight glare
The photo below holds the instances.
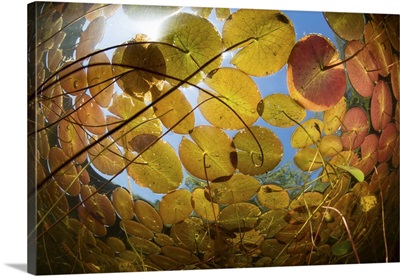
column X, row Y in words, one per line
column 149, row 27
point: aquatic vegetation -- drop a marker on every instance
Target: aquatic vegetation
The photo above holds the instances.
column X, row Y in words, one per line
column 166, row 152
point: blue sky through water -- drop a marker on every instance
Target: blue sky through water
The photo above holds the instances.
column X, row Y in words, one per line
column 120, row 28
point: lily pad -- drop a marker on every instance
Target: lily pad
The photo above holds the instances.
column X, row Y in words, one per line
column 98, row 205
column 73, row 78
column 330, row 145
column 95, row 226
column 264, row 39
column 100, row 79
column 163, row 262
column 379, row 45
column 53, row 106
column 238, row 188
column 175, row 206
column 157, row 168
column 73, row 138
column 239, row 217
column 90, row 115
column 369, row 154
column 203, row 206
column 348, row 26
column 123, row 203
column 125, row 108
column 273, row 197
column 106, row 156
column 361, row 68
column 222, row 14
column 314, row 71
column 281, row 110
column 355, row 128
column 175, row 111
column 148, row 216
column 387, row 142
column 271, row 222
column 182, row 256
column 136, row 229
column 395, row 78
column 343, row 159
column 194, row 41
column 381, row 106
column 234, row 106
column 308, row 134
column 257, row 158
column 143, row 66
column 308, row 159
column 333, row 117
column 191, row 234
column 308, row 200
column 116, row 244
column 210, row 155
column 67, row 176
column 392, row 30
column 143, row 246
column 90, row 37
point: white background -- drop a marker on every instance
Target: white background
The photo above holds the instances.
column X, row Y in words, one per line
column 13, row 152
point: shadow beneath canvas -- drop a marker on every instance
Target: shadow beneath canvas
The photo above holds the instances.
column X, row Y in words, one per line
column 21, row 267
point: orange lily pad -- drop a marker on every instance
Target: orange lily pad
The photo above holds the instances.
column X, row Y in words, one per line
column 90, row 115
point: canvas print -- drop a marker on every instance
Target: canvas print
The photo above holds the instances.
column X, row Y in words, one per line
column 180, row 138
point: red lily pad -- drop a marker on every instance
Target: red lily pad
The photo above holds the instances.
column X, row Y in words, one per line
column 379, row 44
column 392, row 30
column 381, row 106
column 395, row 78
column 395, row 157
column 378, row 177
column 355, row 128
column 369, row 154
column 387, row 142
column 313, row 78
column 361, row 69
